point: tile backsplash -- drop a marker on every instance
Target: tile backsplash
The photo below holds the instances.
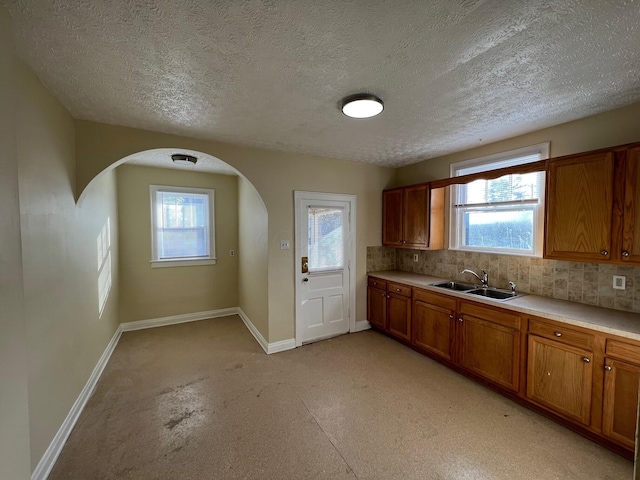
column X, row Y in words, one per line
column 588, row 283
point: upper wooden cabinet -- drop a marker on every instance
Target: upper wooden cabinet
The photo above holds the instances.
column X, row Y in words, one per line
column 413, row 217
column 591, row 207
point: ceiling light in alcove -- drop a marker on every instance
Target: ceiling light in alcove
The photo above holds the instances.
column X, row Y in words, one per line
column 362, row 105
column 183, row 159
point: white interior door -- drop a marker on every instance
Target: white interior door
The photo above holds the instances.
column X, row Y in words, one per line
column 324, row 250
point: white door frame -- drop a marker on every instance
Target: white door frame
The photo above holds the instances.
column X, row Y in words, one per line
column 350, row 247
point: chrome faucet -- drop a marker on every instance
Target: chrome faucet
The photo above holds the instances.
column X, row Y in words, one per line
column 484, row 279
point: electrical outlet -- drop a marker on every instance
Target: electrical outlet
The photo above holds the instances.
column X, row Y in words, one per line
column 415, row 257
column 619, row 282
column 285, row 244
column 232, row 253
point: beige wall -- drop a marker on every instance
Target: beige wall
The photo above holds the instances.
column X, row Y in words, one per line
column 148, row 293
column 276, row 176
column 616, row 127
column 253, row 256
column 65, row 335
column 14, row 413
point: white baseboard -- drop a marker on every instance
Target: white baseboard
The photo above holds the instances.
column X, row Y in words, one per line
column 48, row 460
column 175, row 319
column 268, row 348
column 362, row 325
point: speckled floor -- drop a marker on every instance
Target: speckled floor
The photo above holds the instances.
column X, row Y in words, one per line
column 202, row 401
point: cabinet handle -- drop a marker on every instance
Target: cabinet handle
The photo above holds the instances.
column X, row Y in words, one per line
column 388, row 296
column 625, row 254
column 398, row 290
column 451, row 316
column 607, row 368
column 586, row 359
column 557, row 334
column 375, row 284
column 604, row 252
column 460, row 319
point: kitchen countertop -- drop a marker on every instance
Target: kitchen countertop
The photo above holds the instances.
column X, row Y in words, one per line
column 623, row 324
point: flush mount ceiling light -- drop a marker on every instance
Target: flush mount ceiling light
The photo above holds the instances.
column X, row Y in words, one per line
column 362, row 105
column 183, row 159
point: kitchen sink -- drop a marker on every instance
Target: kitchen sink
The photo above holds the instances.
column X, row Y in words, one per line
column 494, row 293
column 459, row 286
column 475, row 289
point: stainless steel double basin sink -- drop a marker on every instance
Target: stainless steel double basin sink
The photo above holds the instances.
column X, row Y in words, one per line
column 479, row 290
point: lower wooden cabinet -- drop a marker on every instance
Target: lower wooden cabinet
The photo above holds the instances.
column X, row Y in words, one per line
column 377, row 306
column 433, row 323
column 389, row 307
column 559, row 377
column 620, row 401
column 489, row 347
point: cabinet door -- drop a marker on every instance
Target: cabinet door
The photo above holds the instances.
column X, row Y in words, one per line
column 559, row 377
column 490, row 350
column 392, row 234
column 416, row 216
column 580, row 208
column 377, row 307
column 399, row 315
column 631, row 218
column 433, row 328
column 621, row 384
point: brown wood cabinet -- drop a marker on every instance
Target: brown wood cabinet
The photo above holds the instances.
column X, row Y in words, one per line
column 591, row 212
column 377, row 303
column 413, row 217
column 434, row 323
column 389, row 307
column 489, row 341
column 621, row 384
column 559, row 377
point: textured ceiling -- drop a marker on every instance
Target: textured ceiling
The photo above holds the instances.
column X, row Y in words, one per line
column 161, row 157
column 271, row 73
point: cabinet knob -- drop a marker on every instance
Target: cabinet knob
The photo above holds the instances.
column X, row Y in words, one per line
column 388, row 296
column 604, row 252
column 625, row 254
column 398, row 290
column 460, row 319
column 451, row 316
column 384, row 295
column 586, row 359
column 607, row 368
column 557, row 334
column 375, row 284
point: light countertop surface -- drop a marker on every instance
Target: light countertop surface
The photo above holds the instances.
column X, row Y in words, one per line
column 623, row 324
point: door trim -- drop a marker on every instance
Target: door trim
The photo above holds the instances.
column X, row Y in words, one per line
column 350, row 247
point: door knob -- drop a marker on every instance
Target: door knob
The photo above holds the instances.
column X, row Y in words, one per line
column 305, row 280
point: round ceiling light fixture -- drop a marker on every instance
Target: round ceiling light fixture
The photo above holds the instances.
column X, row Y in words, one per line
column 183, row 159
column 362, row 105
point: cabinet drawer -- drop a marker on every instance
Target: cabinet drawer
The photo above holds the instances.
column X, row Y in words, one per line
column 376, row 282
column 399, row 289
column 496, row 316
column 624, row 351
column 434, row 299
column 561, row 334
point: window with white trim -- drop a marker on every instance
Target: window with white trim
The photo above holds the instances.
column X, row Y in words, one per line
column 182, row 226
column 503, row 215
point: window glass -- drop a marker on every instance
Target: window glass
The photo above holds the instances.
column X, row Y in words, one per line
column 182, row 223
column 502, row 215
column 326, row 244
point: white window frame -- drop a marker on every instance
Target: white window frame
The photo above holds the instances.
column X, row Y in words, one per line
column 184, row 261
column 493, row 162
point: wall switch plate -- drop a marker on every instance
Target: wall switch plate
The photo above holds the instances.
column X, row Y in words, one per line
column 415, row 257
column 285, row 244
column 232, row 253
column 619, row 282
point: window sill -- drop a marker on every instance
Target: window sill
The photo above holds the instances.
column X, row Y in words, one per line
column 183, row 263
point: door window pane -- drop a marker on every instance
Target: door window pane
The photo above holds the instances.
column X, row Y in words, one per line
column 326, row 242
